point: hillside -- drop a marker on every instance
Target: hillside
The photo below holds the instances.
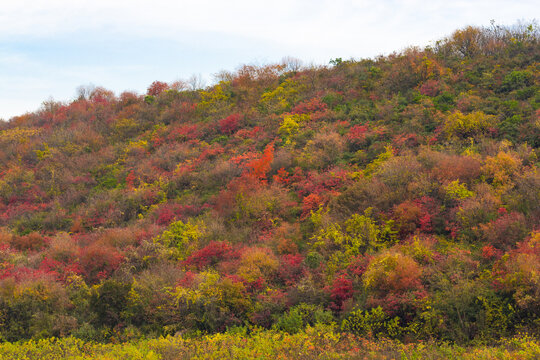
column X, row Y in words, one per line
column 395, row 197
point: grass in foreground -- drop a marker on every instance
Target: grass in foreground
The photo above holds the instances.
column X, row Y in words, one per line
column 313, row 343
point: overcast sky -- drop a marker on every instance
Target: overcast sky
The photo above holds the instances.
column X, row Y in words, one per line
column 50, row 47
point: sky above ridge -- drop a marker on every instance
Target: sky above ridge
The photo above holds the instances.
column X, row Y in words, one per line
column 49, row 48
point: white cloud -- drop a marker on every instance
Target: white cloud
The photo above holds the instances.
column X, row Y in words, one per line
column 217, row 34
column 356, row 27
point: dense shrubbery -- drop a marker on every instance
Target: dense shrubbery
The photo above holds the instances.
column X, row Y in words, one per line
column 395, row 197
column 319, row 342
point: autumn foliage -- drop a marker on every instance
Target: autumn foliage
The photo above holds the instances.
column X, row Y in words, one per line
column 392, row 197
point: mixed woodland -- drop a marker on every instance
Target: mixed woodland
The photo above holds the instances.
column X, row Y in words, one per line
column 391, row 200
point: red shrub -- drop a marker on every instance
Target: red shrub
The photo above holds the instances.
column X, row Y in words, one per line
column 31, row 242
column 20, row 273
column 170, row 212
column 187, row 280
column 165, row 216
column 310, row 202
column 184, row 132
column 455, row 167
column 430, row 88
column 99, row 262
column 286, row 246
column 506, row 231
column 359, row 265
column 357, row 134
column 130, row 180
column 291, row 268
column 414, row 215
column 259, row 168
column 310, row 106
column 405, row 140
column 60, row 270
column 407, row 216
column 156, row 88
column 282, row 177
column 489, row 252
column 320, row 182
column 210, row 255
column 425, row 223
column 229, row 125
column 254, row 133
column 342, row 289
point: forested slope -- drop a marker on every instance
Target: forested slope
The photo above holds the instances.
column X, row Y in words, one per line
column 391, row 197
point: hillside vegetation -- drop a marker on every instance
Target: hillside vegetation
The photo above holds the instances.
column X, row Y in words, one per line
column 396, row 197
